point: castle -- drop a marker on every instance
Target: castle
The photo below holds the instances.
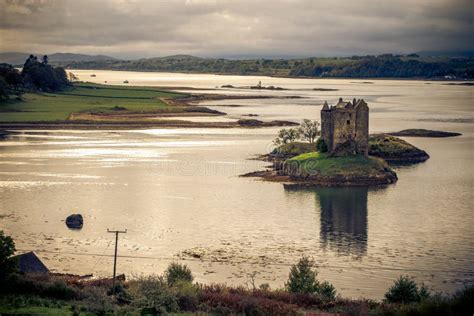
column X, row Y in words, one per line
column 345, row 127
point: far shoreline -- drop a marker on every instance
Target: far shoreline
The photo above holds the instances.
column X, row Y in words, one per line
column 275, row 76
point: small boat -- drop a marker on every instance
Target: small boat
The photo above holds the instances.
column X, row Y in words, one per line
column 125, row 81
column 93, row 75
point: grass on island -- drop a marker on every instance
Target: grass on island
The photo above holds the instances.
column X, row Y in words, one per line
column 385, row 145
column 84, row 97
column 292, row 149
column 326, row 166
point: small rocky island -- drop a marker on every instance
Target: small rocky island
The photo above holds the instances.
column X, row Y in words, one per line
column 344, row 155
column 419, row 132
column 395, row 150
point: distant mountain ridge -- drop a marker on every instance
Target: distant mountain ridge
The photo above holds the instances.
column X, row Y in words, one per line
column 18, row 58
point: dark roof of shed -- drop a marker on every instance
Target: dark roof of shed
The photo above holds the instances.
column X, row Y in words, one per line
column 30, row 263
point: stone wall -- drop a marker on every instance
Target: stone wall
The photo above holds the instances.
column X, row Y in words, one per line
column 362, row 129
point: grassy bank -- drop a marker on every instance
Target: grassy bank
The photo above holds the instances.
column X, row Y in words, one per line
column 84, row 97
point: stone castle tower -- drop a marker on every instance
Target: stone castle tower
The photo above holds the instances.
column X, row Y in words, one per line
column 345, row 127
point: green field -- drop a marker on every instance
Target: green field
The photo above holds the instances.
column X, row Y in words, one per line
column 82, row 97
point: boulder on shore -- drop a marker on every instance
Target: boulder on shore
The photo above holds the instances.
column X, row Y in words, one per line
column 75, row 221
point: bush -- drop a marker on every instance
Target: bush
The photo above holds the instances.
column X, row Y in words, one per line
column 233, row 302
column 327, row 291
column 40, row 285
column 58, row 289
column 121, row 294
column 292, row 149
column 178, row 272
column 187, row 295
column 7, row 249
column 153, row 295
column 97, row 301
column 302, row 279
column 321, row 145
column 405, row 290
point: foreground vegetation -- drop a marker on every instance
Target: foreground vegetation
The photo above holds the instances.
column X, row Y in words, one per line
column 84, row 98
column 382, row 66
column 174, row 292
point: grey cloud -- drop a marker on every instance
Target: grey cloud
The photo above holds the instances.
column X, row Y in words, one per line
column 245, row 27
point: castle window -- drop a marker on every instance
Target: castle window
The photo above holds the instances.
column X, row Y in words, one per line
column 348, row 122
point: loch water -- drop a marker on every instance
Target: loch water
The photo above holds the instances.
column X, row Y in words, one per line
column 179, row 195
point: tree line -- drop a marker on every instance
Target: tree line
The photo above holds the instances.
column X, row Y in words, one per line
column 381, row 66
column 36, row 75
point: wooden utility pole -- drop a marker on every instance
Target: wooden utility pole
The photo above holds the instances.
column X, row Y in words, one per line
column 116, row 232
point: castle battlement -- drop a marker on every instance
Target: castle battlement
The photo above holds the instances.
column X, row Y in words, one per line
column 345, row 127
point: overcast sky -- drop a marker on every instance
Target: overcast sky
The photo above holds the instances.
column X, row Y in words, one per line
column 207, row 28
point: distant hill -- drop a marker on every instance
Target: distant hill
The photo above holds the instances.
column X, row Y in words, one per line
column 174, row 57
column 381, row 66
column 16, row 58
column 446, row 54
column 61, row 57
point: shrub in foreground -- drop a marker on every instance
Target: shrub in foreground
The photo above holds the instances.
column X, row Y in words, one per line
column 222, row 300
column 153, row 295
column 178, row 272
column 302, row 279
column 405, row 290
column 7, row 249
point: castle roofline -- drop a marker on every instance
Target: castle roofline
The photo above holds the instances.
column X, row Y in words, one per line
column 325, row 106
column 361, row 103
column 342, row 105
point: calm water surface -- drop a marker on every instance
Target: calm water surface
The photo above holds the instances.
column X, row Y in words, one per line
column 178, row 191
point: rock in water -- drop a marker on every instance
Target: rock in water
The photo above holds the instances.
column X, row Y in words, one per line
column 75, row 221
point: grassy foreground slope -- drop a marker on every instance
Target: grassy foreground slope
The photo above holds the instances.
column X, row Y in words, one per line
column 83, row 97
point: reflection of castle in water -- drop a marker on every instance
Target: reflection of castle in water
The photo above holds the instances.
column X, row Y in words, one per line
column 343, row 218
